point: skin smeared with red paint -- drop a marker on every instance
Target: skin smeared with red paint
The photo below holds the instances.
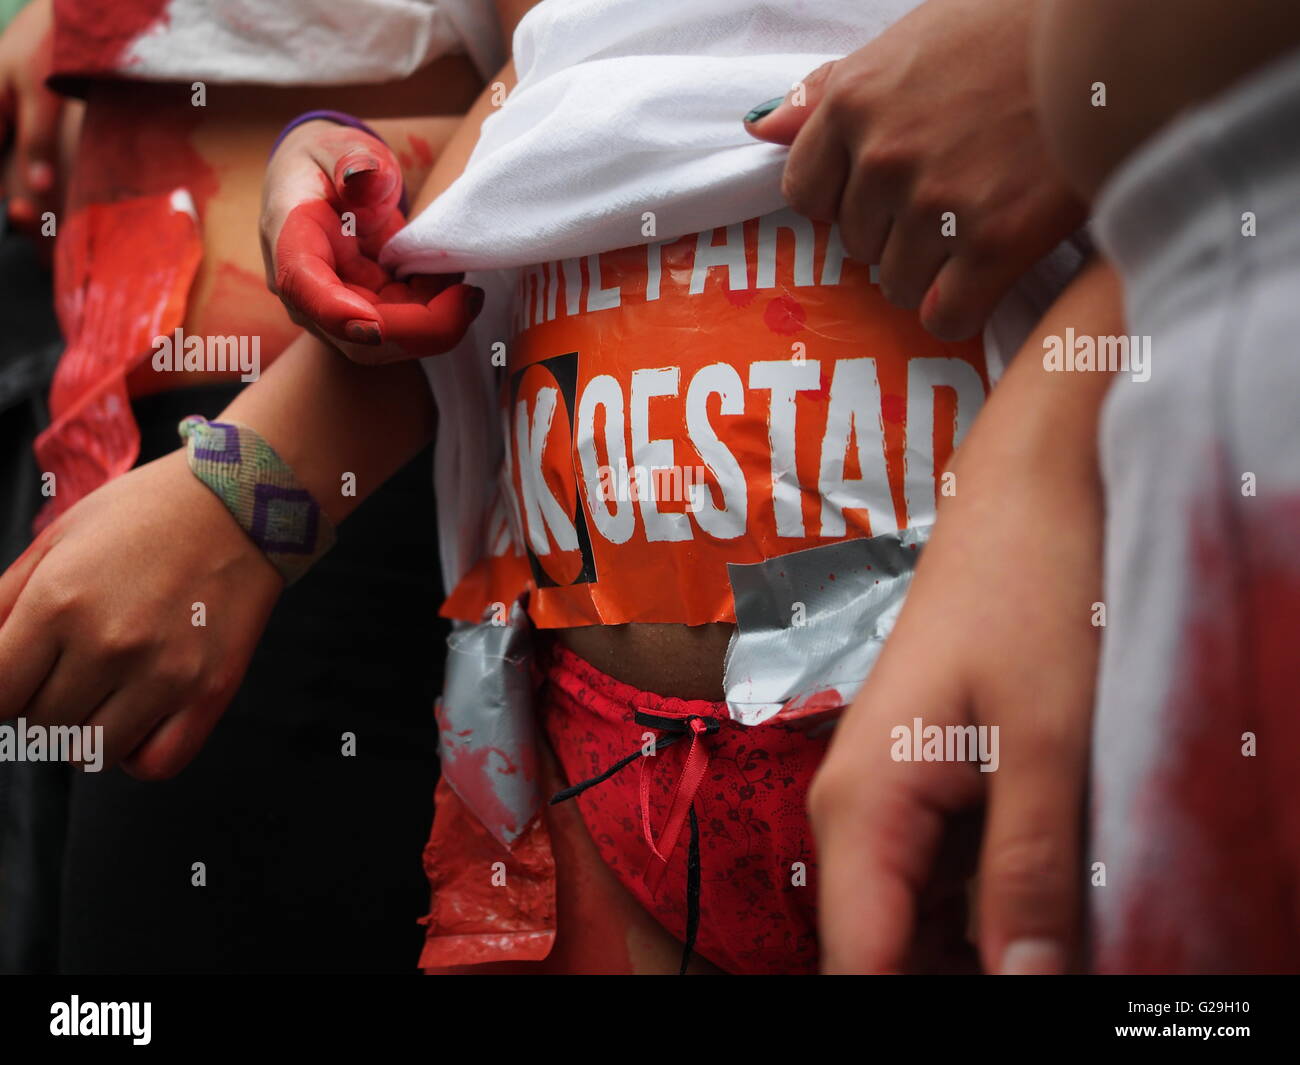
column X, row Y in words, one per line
column 326, row 259
column 423, row 152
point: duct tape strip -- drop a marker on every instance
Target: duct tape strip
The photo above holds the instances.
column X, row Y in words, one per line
column 810, row 624
column 486, row 731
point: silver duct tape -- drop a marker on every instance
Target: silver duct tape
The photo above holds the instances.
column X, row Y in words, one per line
column 810, row 624
column 486, row 729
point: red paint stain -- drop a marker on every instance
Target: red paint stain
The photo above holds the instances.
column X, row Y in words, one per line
column 91, row 36
column 120, row 156
column 122, row 277
column 1233, row 862
column 423, row 152
column 785, row 315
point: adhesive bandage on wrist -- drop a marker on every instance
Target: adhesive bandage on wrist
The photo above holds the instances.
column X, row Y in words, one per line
column 261, row 491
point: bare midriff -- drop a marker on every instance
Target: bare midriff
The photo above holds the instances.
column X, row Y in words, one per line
column 142, row 139
column 679, row 660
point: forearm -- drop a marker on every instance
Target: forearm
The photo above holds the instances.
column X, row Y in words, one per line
column 456, row 152
column 1040, row 422
column 329, row 417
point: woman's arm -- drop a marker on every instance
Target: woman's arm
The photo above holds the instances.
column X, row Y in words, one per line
column 99, row 617
column 997, row 632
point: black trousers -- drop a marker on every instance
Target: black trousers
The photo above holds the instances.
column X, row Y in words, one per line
column 310, row 859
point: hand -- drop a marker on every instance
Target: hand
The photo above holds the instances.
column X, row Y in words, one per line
column 30, row 117
column 324, row 266
column 96, row 617
column 933, row 116
column 996, row 633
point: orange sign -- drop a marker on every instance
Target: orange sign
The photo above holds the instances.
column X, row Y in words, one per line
column 723, row 398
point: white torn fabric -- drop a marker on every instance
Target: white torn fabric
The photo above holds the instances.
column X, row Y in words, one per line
column 624, row 107
column 271, row 42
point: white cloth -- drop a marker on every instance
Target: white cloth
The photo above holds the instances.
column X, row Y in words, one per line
column 1201, row 465
column 278, row 42
column 624, row 107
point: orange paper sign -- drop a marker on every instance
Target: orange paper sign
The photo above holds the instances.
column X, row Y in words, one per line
column 723, row 398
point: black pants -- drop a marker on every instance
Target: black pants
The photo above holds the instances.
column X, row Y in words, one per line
column 311, row 859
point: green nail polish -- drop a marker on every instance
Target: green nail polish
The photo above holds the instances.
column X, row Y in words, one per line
column 764, row 109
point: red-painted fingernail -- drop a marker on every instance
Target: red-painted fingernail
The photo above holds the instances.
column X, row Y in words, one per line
column 362, row 332
column 354, row 170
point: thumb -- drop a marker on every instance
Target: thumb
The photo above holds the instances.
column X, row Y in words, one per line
column 366, row 177
column 780, row 119
column 367, row 180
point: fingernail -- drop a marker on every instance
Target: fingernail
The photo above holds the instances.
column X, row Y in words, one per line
column 1033, row 957
column 763, row 110
column 40, row 176
column 474, row 301
column 354, row 169
column 362, row 332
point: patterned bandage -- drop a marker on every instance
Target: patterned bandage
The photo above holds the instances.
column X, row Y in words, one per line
column 260, row 490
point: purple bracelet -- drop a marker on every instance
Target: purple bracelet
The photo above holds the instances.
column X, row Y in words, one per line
column 338, row 118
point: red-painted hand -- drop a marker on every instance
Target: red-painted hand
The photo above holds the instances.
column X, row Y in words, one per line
column 330, row 202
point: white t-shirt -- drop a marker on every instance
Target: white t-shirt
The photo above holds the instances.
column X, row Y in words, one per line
column 629, row 106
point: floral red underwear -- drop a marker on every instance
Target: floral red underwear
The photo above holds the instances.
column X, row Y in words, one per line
column 702, row 819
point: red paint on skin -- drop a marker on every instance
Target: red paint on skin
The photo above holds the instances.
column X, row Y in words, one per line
column 784, row 315
column 120, row 157
column 311, row 256
column 406, row 161
column 423, row 152
column 305, row 258
column 364, row 293
column 364, row 179
column 395, row 292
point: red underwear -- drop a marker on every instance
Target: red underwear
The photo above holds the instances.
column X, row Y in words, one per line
column 754, row 899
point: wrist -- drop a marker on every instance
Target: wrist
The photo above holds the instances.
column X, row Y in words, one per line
column 261, row 492
column 224, row 543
